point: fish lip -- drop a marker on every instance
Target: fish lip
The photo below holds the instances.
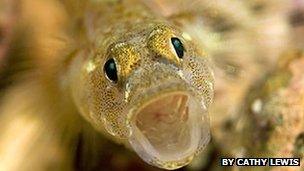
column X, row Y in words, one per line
column 137, row 142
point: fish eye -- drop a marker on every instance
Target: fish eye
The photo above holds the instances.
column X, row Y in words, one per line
column 178, row 47
column 111, row 70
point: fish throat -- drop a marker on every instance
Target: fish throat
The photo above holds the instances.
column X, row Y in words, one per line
column 166, row 128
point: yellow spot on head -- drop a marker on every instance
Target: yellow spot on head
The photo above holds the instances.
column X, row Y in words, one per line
column 127, row 58
column 186, row 36
column 159, row 43
column 90, row 66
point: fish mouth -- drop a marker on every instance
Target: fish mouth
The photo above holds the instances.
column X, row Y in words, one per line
column 168, row 130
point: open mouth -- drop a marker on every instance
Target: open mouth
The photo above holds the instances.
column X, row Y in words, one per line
column 167, row 130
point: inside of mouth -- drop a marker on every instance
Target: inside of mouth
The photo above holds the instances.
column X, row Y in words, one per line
column 167, row 129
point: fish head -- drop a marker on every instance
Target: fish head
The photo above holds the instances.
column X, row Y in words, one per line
column 152, row 87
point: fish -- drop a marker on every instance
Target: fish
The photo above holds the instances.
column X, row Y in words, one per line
column 122, row 71
column 145, row 84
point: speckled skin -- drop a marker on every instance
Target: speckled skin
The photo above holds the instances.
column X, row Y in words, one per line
column 147, row 67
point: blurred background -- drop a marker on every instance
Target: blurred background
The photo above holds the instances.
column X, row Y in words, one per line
column 257, row 50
